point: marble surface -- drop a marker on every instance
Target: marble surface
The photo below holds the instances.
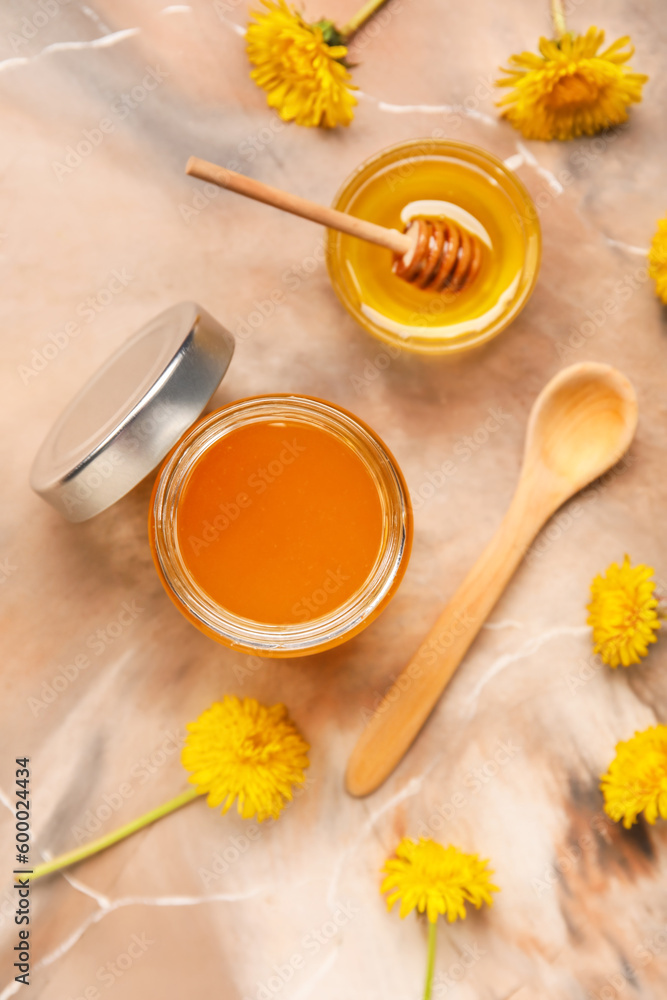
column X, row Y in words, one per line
column 508, row 765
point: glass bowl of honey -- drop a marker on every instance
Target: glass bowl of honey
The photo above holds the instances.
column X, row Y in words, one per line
column 437, row 179
column 280, row 525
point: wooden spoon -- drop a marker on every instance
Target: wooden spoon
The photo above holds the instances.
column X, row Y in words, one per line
column 580, row 425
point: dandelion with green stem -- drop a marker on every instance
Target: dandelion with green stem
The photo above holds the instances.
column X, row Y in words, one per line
column 571, row 88
column 236, row 751
column 435, row 880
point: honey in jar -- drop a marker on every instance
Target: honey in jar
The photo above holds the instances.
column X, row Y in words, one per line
column 281, row 525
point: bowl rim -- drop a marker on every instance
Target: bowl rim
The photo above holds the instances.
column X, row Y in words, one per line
column 434, row 345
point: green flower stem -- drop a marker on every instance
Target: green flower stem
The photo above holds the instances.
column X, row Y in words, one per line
column 359, row 20
column 72, row 857
column 430, row 963
column 558, row 18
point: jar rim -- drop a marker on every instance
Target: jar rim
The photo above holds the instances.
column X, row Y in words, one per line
column 342, row 621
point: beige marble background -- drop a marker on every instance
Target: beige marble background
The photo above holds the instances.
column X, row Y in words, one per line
column 582, row 912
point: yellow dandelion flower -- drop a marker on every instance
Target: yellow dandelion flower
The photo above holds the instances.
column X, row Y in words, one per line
column 235, row 750
column 622, row 613
column 300, row 66
column 657, row 260
column 241, row 750
column 571, row 88
column 637, row 778
column 436, row 880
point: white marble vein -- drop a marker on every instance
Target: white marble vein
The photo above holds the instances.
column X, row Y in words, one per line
column 428, row 109
column 5, row 801
column 307, row 989
column 628, row 247
column 525, row 156
column 238, row 29
column 95, row 17
column 498, row 626
column 529, row 647
column 95, row 43
column 105, row 906
column 411, row 788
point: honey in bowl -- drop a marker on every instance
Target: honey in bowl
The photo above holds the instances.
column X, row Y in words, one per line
column 475, row 192
column 280, row 525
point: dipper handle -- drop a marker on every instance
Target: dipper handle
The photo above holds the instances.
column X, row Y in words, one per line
column 399, row 243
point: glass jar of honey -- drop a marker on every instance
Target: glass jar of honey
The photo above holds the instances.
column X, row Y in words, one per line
column 279, row 525
column 437, row 179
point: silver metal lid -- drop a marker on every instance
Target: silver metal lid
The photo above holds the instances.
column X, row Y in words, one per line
column 132, row 411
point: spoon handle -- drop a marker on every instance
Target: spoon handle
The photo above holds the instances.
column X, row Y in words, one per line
column 413, row 695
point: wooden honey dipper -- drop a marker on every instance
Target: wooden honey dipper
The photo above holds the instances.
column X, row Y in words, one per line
column 433, row 254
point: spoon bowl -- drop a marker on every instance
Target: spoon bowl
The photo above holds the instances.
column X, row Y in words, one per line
column 581, row 424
